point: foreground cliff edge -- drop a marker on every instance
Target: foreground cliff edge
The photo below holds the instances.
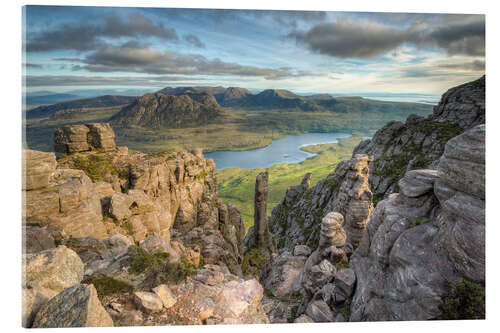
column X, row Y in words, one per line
column 114, row 237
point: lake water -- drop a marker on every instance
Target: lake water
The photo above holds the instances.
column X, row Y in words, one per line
column 286, row 150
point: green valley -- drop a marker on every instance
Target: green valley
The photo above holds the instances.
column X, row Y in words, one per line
column 237, row 185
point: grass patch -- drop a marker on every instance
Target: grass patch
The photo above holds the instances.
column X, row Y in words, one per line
column 420, row 221
column 157, row 270
column 252, row 263
column 465, row 300
column 145, row 261
column 95, row 166
column 106, row 285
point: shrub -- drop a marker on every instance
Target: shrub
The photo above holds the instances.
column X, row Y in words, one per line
column 157, row 270
column 464, row 300
column 106, row 285
column 253, row 262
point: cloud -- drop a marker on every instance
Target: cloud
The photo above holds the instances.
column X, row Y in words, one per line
column 193, row 40
column 476, row 65
column 30, row 65
column 83, row 36
column 140, row 58
column 456, row 34
column 84, row 80
column 346, row 39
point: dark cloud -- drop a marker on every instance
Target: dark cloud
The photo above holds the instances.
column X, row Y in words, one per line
column 368, row 39
column 193, row 40
column 140, row 58
column 77, row 80
column 477, row 65
column 30, row 65
column 83, row 36
column 346, row 39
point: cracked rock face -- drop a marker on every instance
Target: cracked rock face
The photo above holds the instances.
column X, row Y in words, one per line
column 297, row 219
column 77, row 306
column 419, row 142
column 442, row 223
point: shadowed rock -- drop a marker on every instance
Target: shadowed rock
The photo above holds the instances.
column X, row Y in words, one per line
column 77, row 306
column 429, row 235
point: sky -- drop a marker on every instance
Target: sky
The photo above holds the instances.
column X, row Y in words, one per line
column 71, row 48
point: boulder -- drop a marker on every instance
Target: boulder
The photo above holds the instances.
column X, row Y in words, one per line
column 319, row 312
column 302, row 250
column 34, row 297
column 303, row 319
column 237, row 297
column 166, row 296
column 344, row 282
column 416, row 183
column 37, row 239
column 55, row 269
column 462, row 166
column 77, row 306
column 279, row 275
column 148, row 302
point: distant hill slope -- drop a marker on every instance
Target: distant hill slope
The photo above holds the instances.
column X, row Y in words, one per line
column 177, row 111
column 281, row 99
column 96, row 102
column 50, row 98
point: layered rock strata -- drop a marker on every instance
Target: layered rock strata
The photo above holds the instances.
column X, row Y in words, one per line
column 297, row 219
column 77, row 138
column 425, row 238
column 419, row 142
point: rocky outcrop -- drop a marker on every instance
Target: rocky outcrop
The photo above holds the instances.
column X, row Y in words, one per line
column 419, row 143
column 159, row 110
column 77, row 306
column 77, row 138
column 104, row 192
column 259, row 236
column 320, row 266
column 297, row 219
column 424, row 239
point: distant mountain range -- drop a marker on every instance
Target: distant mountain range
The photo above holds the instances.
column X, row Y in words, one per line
column 189, row 106
column 284, row 99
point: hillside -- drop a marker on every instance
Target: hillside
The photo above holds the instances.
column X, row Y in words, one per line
column 79, row 105
column 174, row 111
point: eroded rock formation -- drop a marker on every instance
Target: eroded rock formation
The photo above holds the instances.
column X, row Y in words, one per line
column 425, row 238
column 297, row 219
column 419, row 143
column 77, row 138
column 259, row 236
